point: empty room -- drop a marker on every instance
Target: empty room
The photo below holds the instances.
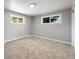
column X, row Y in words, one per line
column 39, row 29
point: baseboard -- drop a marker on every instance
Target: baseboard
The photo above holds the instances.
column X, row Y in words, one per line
column 16, row 38
column 52, row 39
column 40, row 37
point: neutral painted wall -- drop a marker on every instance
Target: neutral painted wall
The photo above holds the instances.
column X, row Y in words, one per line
column 13, row 31
column 73, row 29
column 33, row 26
column 56, row 31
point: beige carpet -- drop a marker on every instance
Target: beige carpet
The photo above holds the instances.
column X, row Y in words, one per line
column 38, row 48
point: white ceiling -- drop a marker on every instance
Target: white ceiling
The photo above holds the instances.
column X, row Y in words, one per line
column 43, row 6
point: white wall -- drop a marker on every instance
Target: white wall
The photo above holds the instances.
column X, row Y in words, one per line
column 33, row 26
column 73, row 29
column 13, row 31
column 56, row 31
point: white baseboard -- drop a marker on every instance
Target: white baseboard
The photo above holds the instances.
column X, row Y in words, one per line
column 16, row 38
column 40, row 37
column 52, row 39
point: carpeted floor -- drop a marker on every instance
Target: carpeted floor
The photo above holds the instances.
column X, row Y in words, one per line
column 37, row 48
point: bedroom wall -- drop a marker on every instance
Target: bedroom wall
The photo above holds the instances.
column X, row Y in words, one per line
column 13, row 31
column 73, row 29
column 56, row 31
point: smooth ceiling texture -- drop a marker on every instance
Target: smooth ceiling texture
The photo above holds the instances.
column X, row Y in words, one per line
column 43, row 6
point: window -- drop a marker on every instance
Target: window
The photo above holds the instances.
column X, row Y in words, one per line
column 17, row 20
column 53, row 19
